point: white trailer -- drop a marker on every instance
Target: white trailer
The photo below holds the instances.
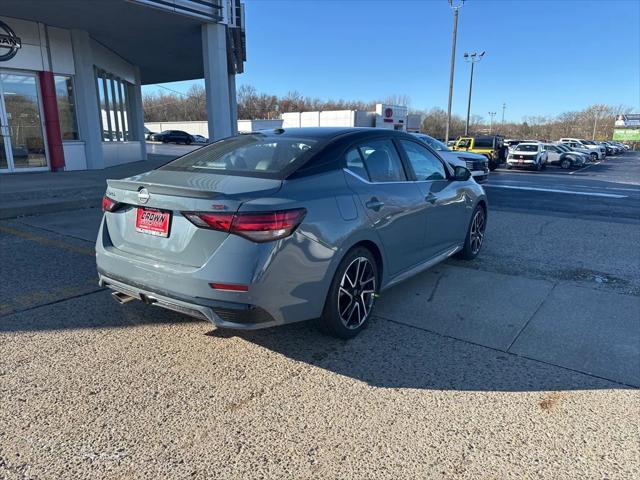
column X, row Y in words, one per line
column 329, row 118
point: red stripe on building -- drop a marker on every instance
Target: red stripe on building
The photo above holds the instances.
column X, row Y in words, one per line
column 51, row 120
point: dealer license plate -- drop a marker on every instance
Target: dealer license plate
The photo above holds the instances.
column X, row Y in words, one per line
column 153, row 222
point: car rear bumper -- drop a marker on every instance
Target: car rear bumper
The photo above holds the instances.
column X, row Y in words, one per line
column 221, row 314
column 286, row 280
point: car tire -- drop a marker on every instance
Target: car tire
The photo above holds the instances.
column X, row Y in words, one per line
column 475, row 234
column 187, row 142
column 492, row 165
column 356, row 272
column 594, row 157
column 538, row 167
column 565, row 164
column 164, row 140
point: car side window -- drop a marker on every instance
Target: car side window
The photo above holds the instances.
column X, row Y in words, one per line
column 382, row 162
column 355, row 164
column 425, row 164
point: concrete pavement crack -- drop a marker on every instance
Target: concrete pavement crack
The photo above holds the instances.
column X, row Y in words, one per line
column 526, row 324
column 435, row 288
column 55, row 302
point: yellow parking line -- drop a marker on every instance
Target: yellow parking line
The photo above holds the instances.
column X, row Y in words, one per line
column 89, row 252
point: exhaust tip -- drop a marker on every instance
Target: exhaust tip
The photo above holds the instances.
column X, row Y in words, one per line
column 122, row 298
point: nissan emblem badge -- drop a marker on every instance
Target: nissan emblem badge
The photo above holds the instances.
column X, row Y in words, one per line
column 143, row 195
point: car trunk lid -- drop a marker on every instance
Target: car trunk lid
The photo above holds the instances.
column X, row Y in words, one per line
column 176, row 192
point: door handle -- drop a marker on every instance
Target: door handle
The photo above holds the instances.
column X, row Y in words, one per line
column 431, row 198
column 374, row 204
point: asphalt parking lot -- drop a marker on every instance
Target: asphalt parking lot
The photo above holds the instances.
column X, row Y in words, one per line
column 522, row 364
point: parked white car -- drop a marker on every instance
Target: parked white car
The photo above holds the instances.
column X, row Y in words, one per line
column 476, row 163
column 528, row 155
column 596, row 151
column 578, row 147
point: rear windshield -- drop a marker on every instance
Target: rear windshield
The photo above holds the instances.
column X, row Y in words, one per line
column 433, row 143
column 255, row 154
column 527, row 148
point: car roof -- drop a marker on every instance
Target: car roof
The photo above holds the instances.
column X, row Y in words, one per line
column 311, row 132
column 328, row 133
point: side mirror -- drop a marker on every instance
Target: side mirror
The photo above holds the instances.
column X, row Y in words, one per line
column 461, row 174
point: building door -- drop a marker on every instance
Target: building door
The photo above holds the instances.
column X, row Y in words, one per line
column 22, row 143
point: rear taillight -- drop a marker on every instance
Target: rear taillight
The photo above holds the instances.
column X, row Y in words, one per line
column 109, row 204
column 256, row 226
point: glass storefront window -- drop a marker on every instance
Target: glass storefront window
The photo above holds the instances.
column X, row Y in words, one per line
column 66, row 107
column 113, row 100
column 23, row 128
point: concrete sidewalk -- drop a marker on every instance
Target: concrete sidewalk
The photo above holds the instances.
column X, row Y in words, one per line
column 23, row 194
column 557, row 322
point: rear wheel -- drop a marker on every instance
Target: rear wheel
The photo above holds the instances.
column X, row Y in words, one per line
column 594, row 157
column 475, row 234
column 565, row 163
column 352, row 295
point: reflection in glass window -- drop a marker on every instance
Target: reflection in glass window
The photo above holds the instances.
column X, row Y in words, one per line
column 24, row 123
column 114, row 113
column 66, row 107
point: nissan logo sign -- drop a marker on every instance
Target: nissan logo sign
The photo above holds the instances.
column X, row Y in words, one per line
column 9, row 43
column 143, row 195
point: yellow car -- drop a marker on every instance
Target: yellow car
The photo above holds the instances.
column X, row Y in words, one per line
column 491, row 146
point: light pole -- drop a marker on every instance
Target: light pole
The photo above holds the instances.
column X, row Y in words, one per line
column 455, row 5
column 491, row 115
column 474, row 58
column 504, row 106
column 595, row 121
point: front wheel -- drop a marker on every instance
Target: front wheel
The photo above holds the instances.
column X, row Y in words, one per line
column 594, row 157
column 352, row 295
column 475, row 234
column 565, row 164
column 492, row 165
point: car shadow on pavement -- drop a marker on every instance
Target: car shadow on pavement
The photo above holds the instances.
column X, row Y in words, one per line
column 392, row 355
column 87, row 311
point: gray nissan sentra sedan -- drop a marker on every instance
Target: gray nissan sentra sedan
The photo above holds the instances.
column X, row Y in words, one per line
column 286, row 225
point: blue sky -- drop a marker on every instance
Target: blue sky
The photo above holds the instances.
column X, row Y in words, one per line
column 543, row 56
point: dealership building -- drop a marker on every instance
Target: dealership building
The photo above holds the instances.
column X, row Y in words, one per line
column 71, row 74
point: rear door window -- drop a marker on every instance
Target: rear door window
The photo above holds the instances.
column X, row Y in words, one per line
column 382, row 161
column 483, row 143
column 425, row 164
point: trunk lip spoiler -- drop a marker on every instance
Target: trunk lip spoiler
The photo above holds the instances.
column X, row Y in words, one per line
column 176, row 191
column 159, row 189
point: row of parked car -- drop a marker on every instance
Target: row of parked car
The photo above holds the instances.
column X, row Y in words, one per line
column 566, row 152
column 484, row 153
